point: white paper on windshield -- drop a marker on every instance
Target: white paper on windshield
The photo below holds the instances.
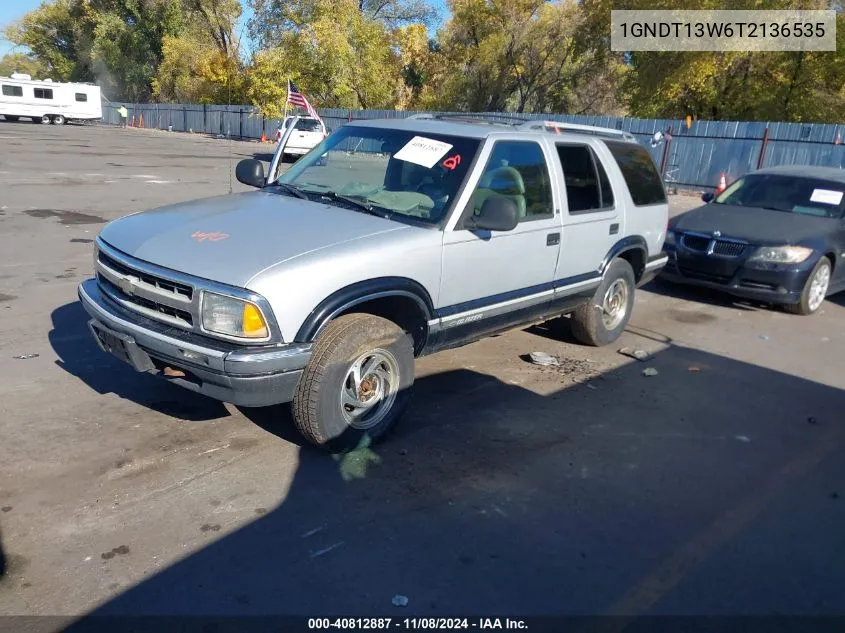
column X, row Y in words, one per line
column 423, row 151
column 826, row 196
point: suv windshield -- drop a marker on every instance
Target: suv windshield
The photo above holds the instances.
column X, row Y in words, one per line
column 790, row 194
column 405, row 175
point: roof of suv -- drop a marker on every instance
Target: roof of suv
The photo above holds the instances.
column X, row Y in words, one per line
column 482, row 128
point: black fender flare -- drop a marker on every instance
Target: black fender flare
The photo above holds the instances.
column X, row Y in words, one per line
column 630, row 243
column 358, row 293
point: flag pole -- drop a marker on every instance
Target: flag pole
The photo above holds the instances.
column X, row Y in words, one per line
column 287, row 100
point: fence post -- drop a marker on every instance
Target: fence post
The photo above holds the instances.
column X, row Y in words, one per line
column 763, row 147
column 204, row 117
column 184, row 118
column 665, row 153
column 241, row 123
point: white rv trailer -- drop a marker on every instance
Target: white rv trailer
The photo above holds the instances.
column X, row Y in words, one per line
column 47, row 101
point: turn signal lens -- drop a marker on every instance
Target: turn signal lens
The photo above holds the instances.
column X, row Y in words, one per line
column 254, row 325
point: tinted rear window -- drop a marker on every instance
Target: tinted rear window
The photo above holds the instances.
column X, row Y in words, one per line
column 639, row 172
column 306, row 125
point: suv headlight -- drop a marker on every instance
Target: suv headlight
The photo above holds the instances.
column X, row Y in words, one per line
column 781, row 254
column 233, row 317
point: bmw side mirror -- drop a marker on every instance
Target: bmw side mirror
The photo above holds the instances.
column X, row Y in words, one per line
column 250, row 172
column 707, row 196
column 497, row 213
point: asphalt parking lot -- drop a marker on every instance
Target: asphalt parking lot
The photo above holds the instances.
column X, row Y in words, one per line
column 713, row 488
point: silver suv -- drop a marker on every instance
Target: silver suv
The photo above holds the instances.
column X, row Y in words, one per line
column 389, row 240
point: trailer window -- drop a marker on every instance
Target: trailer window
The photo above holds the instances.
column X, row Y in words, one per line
column 43, row 93
column 12, row 91
column 81, row 96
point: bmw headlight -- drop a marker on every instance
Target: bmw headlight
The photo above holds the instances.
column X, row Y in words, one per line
column 233, row 317
column 781, row 254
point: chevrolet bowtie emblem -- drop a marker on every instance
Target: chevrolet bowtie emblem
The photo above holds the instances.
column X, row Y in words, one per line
column 127, row 285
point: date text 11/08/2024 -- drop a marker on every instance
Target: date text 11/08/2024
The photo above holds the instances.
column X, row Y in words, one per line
column 413, row 624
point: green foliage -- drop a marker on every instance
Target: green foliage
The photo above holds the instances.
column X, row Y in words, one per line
column 490, row 55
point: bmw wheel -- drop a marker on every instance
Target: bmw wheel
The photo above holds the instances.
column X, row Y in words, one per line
column 815, row 290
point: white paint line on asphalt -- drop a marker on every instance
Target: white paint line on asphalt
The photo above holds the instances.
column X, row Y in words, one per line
column 144, row 176
column 211, row 450
column 159, row 182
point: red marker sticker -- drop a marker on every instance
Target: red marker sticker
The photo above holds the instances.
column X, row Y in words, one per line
column 452, row 161
column 213, row 237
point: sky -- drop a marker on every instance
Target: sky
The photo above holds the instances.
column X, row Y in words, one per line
column 11, row 10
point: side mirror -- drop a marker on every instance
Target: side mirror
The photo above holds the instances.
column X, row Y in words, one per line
column 250, row 172
column 497, row 213
column 707, row 196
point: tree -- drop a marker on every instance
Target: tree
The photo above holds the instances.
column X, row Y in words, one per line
column 25, row 63
column 336, row 55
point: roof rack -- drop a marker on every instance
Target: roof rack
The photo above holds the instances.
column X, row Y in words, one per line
column 490, row 119
column 559, row 128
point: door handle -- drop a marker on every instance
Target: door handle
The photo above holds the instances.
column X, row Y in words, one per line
column 553, row 239
column 614, row 228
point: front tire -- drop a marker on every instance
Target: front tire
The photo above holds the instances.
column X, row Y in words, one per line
column 357, row 383
column 58, row 120
column 605, row 316
column 815, row 290
column 45, row 120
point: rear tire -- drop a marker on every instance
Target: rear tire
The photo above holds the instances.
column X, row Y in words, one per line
column 335, row 408
column 815, row 290
column 605, row 316
column 58, row 120
column 44, row 120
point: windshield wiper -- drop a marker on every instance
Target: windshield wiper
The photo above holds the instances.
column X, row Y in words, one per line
column 333, row 195
column 296, row 191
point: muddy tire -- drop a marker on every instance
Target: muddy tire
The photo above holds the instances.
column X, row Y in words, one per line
column 815, row 290
column 605, row 316
column 357, row 383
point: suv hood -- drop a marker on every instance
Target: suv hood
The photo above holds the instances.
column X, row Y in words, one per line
column 230, row 239
column 753, row 224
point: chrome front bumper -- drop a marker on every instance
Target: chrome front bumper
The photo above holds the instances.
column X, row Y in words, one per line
column 245, row 376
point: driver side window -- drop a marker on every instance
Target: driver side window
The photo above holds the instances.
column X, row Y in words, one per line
column 516, row 170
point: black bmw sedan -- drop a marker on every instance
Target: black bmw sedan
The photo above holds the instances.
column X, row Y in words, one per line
column 775, row 235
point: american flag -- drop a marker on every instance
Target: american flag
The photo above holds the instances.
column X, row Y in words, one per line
column 298, row 99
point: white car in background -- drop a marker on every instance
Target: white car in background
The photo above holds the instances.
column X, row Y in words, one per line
column 307, row 133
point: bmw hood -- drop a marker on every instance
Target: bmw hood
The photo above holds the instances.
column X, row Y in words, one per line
column 230, row 239
column 753, row 224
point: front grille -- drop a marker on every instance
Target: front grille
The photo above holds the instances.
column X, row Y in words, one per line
column 157, row 282
column 696, row 242
column 153, row 296
column 713, row 246
column 728, row 249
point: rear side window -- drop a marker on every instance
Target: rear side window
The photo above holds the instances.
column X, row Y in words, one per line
column 81, row 96
column 12, row 91
column 587, row 185
column 43, row 93
column 640, row 174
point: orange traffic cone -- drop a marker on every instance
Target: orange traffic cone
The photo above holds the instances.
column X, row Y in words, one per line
column 140, row 120
column 722, row 184
column 263, row 137
column 132, row 122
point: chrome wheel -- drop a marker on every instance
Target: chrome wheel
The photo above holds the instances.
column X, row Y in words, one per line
column 818, row 287
column 369, row 389
column 45, row 120
column 615, row 304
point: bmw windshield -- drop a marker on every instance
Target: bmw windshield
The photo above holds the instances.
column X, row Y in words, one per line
column 789, row 194
column 398, row 174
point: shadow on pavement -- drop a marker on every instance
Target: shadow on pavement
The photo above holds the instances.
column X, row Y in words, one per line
column 80, row 356
column 705, row 489
column 703, row 295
